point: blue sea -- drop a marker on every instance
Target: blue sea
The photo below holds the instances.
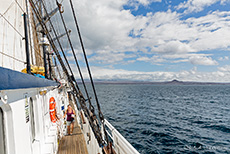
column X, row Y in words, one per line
column 169, row 118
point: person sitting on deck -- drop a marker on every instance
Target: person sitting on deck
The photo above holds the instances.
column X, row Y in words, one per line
column 70, row 119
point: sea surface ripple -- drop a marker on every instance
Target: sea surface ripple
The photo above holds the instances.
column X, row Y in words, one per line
column 169, row 118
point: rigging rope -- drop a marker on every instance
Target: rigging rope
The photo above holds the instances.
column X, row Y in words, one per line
column 11, row 25
column 38, row 15
column 60, row 60
column 92, row 114
column 75, row 58
column 55, row 33
column 8, row 8
column 12, row 57
column 70, row 79
column 80, row 97
column 19, row 6
column 101, row 116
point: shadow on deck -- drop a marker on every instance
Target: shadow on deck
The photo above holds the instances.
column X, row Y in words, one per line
column 73, row 144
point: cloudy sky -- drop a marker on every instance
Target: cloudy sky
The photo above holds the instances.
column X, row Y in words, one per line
column 154, row 40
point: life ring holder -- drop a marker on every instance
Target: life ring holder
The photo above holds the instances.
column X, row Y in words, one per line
column 52, row 105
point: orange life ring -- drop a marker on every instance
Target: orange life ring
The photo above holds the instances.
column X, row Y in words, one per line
column 52, row 110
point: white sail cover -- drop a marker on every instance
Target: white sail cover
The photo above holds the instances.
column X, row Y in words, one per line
column 12, row 45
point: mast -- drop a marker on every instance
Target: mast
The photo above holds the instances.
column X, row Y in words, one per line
column 44, row 49
column 27, row 45
column 44, row 54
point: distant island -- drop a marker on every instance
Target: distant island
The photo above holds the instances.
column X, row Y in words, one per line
column 176, row 82
column 173, row 82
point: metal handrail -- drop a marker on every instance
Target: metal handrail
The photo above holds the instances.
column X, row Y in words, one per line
column 121, row 145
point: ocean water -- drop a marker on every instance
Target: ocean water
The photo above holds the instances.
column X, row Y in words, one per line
column 169, row 118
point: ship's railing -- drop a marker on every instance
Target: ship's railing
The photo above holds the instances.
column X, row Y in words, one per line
column 120, row 144
column 91, row 141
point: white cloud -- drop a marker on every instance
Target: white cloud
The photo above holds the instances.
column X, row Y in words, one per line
column 173, row 47
column 184, row 55
column 105, row 25
column 108, row 57
column 137, row 3
column 179, row 61
column 168, row 34
column 225, row 68
column 200, row 60
column 225, row 58
column 197, row 5
column 147, row 2
column 191, row 75
column 153, row 59
column 210, row 31
column 109, row 32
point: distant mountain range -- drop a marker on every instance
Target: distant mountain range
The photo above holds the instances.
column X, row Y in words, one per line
column 173, row 82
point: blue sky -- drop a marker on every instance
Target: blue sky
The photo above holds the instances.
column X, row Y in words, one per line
column 155, row 40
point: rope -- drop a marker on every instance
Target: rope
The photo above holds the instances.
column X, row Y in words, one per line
column 94, row 125
column 101, row 116
column 12, row 5
column 12, row 57
column 19, row 6
column 8, row 8
column 80, row 96
column 83, row 49
column 39, row 18
column 55, row 33
column 11, row 25
column 70, row 79
column 75, row 58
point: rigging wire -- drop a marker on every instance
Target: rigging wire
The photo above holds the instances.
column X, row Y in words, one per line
column 55, row 21
column 19, row 6
column 101, row 116
column 48, row 35
column 11, row 25
column 75, row 58
column 39, row 17
column 92, row 113
column 81, row 98
column 8, row 8
column 70, row 79
column 55, row 33
column 12, row 57
column 92, row 121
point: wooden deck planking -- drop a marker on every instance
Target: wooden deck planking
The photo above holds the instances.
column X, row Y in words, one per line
column 73, row 144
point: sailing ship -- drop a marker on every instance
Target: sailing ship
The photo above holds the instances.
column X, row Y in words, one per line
column 34, row 69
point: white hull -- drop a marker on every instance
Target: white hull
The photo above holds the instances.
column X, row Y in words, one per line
column 18, row 132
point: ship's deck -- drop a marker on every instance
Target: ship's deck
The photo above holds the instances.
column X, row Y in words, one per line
column 73, row 144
